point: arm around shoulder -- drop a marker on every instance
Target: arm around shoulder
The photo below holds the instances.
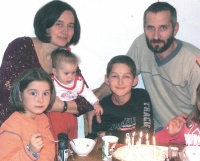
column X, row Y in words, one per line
column 102, row 91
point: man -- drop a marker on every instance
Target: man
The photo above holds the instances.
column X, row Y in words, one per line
column 167, row 65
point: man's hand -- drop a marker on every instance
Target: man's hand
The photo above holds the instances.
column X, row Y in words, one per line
column 102, row 91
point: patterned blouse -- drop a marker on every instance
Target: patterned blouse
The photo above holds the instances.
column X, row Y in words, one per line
column 19, row 56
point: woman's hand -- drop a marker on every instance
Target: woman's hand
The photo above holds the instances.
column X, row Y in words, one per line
column 36, row 143
column 59, row 105
column 175, row 125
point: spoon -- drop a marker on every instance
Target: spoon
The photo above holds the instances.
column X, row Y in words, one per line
column 72, row 141
column 71, row 153
column 55, row 141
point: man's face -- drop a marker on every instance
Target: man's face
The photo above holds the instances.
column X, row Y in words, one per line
column 159, row 31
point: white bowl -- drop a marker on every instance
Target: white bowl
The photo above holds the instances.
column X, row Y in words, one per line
column 83, row 146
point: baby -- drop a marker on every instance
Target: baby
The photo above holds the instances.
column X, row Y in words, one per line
column 67, row 84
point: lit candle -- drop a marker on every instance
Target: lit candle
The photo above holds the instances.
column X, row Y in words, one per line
column 128, row 145
column 128, row 139
column 137, row 144
column 147, row 142
column 154, row 149
column 133, row 135
column 140, row 138
column 138, row 150
column 140, row 134
column 147, row 137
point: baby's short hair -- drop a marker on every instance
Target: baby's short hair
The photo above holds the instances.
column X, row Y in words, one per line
column 60, row 55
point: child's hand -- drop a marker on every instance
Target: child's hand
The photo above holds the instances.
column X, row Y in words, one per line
column 98, row 109
column 36, row 143
column 175, row 125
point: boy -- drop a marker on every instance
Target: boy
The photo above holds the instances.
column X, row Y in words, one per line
column 126, row 109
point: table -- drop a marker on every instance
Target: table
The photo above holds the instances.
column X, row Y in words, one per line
column 96, row 154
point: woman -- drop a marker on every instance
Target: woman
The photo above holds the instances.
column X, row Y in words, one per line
column 56, row 26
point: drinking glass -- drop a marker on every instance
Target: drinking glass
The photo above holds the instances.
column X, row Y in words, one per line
column 173, row 153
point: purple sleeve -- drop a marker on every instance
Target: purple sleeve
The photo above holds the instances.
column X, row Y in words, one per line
column 19, row 56
column 83, row 105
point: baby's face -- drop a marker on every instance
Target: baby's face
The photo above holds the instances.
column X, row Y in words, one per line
column 66, row 72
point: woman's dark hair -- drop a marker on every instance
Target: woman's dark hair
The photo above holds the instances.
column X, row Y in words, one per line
column 122, row 59
column 21, row 83
column 48, row 15
column 159, row 7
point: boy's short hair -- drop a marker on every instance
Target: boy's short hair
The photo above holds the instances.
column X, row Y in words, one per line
column 21, row 83
column 48, row 15
column 60, row 55
column 122, row 59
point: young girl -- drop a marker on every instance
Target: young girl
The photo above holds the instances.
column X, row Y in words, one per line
column 177, row 130
column 24, row 135
column 127, row 109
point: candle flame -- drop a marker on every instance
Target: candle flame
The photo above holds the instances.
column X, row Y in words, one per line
column 147, row 136
column 154, row 141
column 141, row 134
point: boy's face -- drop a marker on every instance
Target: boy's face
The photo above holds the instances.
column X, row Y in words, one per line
column 121, row 79
column 66, row 72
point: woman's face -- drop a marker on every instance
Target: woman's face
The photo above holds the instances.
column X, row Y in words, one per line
column 62, row 30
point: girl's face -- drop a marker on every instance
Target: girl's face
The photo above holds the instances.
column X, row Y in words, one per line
column 121, row 79
column 62, row 30
column 66, row 72
column 36, row 98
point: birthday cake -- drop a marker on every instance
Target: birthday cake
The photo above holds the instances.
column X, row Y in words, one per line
column 142, row 153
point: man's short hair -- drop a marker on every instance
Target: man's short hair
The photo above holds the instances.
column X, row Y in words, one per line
column 159, row 7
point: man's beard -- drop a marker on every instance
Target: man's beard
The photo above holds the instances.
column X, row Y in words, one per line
column 158, row 49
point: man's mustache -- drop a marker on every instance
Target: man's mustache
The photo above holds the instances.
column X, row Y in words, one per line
column 157, row 41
